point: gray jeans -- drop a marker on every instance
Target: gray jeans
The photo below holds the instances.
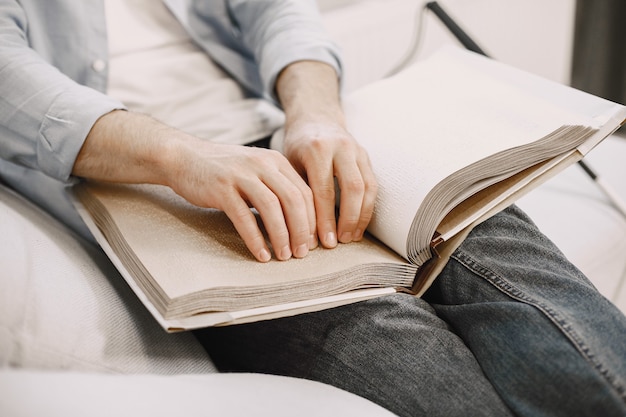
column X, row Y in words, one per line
column 509, row 328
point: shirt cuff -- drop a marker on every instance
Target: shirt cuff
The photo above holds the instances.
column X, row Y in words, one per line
column 65, row 127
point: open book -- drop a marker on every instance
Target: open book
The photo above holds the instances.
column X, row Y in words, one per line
column 452, row 139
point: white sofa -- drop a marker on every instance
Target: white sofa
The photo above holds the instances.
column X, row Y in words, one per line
column 74, row 339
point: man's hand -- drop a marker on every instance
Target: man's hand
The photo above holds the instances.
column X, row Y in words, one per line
column 132, row 148
column 321, row 152
column 235, row 178
column 319, row 147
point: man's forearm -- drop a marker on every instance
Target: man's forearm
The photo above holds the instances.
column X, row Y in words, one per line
column 127, row 147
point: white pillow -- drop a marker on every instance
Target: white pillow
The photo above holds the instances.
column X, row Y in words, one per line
column 64, row 306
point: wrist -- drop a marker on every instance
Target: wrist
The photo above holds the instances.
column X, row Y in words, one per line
column 309, row 93
column 177, row 157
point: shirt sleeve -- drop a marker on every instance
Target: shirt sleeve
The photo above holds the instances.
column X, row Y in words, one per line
column 44, row 115
column 282, row 32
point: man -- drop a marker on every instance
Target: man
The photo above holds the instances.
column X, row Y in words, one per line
column 239, row 176
column 494, row 336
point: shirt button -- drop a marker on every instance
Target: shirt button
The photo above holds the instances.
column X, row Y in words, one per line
column 98, row 65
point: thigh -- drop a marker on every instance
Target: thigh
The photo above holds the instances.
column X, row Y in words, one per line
column 393, row 350
column 546, row 339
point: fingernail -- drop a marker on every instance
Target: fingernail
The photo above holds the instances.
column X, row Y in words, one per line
column 313, row 241
column 285, row 253
column 346, row 237
column 331, row 239
column 301, row 251
column 358, row 234
column 264, row 255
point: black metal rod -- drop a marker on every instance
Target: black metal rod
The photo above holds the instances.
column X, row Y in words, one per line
column 453, row 27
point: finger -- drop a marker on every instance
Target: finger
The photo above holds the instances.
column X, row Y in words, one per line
column 271, row 212
column 292, row 195
column 369, row 197
column 307, row 195
column 322, row 183
column 246, row 225
column 352, row 188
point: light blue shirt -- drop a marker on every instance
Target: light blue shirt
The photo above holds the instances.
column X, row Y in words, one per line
column 53, row 71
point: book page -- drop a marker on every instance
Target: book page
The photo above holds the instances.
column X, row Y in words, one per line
column 433, row 119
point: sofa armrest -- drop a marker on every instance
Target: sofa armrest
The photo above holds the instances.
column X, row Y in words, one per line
column 64, row 306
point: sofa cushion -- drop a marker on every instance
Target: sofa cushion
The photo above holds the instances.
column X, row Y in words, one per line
column 52, row 394
column 64, row 306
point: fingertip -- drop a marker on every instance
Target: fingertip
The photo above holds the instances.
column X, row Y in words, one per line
column 284, row 253
column 313, row 241
column 264, row 255
column 346, row 237
column 301, row 251
column 330, row 240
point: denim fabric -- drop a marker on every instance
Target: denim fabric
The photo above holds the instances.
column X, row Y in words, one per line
column 509, row 328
